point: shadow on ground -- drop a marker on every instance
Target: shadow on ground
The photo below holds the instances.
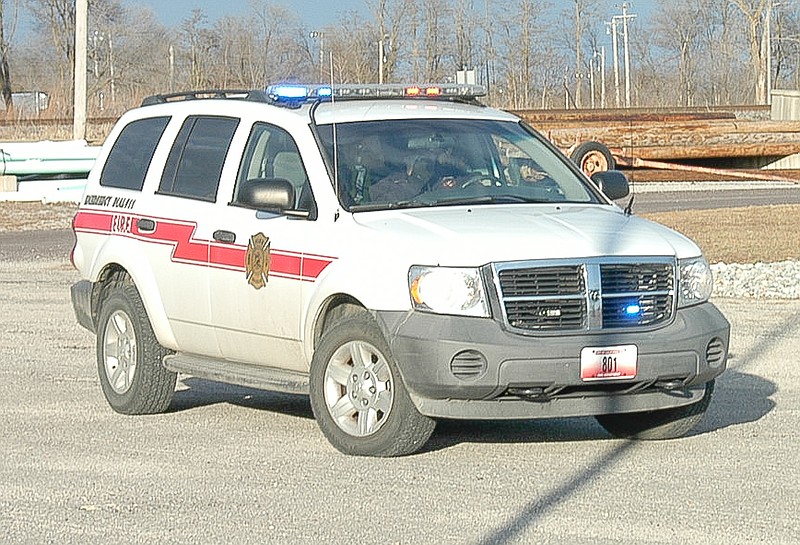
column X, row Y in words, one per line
column 194, row 393
column 739, row 398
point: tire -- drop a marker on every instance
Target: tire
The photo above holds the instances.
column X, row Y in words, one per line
column 593, row 157
column 657, row 425
column 358, row 396
column 129, row 358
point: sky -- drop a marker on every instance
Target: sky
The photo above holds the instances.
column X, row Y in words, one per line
column 313, row 13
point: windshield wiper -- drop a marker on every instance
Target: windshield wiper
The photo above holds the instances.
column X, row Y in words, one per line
column 489, row 199
column 450, row 201
column 369, row 207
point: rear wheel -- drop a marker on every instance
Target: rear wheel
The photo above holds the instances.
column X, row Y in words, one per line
column 129, row 358
column 358, row 396
column 656, row 425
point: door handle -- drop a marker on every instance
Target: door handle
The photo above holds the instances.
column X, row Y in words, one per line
column 224, row 236
column 146, row 225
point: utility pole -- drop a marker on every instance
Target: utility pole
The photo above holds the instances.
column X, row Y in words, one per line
column 382, row 57
column 319, row 35
column 615, row 48
column 171, row 68
column 79, row 96
column 625, row 17
column 488, row 48
column 603, row 76
column 768, row 53
column 111, row 68
column 601, row 67
column 578, row 67
column 380, row 61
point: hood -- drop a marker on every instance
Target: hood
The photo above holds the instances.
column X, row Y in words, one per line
column 473, row 236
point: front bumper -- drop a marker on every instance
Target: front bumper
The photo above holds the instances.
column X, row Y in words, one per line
column 460, row 367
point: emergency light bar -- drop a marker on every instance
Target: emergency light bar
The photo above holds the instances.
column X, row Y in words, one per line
column 297, row 94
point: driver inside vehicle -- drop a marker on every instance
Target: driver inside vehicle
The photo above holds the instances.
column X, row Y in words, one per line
column 425, row 171
column 404, row 185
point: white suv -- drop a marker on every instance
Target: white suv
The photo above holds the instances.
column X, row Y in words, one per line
column 400, row 254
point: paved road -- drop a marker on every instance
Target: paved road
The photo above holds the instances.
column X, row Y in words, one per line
column 668, row 196
column 703, row 200
column 234, row 465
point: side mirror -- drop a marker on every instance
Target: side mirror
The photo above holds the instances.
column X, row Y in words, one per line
column 613, row 183
column 272, row 194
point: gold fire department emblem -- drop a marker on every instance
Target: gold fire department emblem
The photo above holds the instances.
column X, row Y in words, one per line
column 257, row 261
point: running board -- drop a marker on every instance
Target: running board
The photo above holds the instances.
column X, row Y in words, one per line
column 265, row 378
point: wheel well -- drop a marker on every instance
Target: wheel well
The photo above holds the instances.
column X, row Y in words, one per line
column 333, row 311
column 112, row 275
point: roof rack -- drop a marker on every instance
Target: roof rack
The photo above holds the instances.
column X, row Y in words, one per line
column 240, row 94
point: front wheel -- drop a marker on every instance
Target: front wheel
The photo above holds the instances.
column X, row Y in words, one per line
column 657, row 425
column 358, row 396
column 129, row 358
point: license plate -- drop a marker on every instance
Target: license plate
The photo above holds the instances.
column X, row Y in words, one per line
column 609, row 362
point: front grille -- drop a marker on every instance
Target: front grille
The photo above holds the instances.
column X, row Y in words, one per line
column 636, row 278
column 593, row 295
column 544, row 298
column 546, row 314
column 545, row 281
column 652, row 309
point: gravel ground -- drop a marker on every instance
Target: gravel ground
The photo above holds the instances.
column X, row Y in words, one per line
column 759, row 280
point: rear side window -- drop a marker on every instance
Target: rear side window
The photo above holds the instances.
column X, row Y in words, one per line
column 194, row 165
column 132, row 153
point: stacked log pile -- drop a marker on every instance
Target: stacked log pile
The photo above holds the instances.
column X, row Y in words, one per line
column 688, row 134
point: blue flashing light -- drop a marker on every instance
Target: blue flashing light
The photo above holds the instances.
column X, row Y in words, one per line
column 633, row 309
column 288, row 92
column 324, row 92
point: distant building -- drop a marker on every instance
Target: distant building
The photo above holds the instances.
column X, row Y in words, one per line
column 28, row 103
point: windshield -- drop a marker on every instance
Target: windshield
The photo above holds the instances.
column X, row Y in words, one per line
column 439, row 162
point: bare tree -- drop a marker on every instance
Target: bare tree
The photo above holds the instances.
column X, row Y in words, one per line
column 391, row 17
column 786, row 48
column 465, row 24
column 5, row 71
column 351, row 44
column 678, row 27
column 425, row 25
column 199, row 41
column 133, row 36
column 579, row 18
column 57, row 18
column 755, row 13
column 694, row 51
column 524, row 51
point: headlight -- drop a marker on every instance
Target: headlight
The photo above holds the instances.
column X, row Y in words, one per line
column 695, row 282
column 447, row 291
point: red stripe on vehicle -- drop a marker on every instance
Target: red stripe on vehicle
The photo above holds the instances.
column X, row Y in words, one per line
column 192, row 251
column 88, row 221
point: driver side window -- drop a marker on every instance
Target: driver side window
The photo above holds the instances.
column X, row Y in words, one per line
column 272, row 153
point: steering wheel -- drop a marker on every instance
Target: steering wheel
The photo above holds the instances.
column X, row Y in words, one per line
column 486, row 180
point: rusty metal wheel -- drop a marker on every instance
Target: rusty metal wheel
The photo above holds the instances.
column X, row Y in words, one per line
column 592, row 157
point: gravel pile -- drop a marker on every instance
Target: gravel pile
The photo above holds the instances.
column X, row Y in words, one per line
column 759, row 280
